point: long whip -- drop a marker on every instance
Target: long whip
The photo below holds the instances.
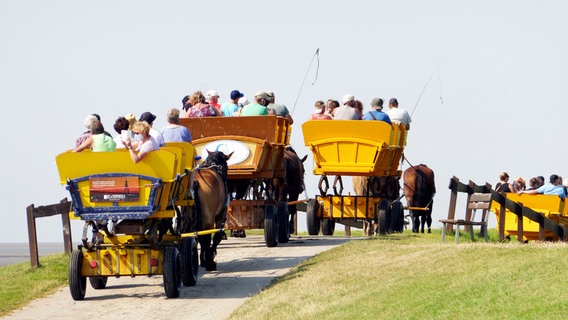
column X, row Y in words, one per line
column 316, row 55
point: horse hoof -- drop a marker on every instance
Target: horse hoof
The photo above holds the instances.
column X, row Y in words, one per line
column 211, row 266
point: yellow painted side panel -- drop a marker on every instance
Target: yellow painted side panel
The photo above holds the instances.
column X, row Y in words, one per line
column 122, row 262
column 351, row 207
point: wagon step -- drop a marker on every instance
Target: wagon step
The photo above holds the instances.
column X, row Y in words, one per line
column 201, row 233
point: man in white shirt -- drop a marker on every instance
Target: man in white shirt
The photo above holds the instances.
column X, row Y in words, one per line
column 398, row 115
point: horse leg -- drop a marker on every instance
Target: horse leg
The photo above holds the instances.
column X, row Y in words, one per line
column 422, row 222
column 204, row 243
column 415, row 222
column 429, row 221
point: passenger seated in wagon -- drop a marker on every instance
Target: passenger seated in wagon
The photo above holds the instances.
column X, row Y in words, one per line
column 98, row 141
column 555, row 187
column 258, row 108
column 376, row 112
column 143, row 143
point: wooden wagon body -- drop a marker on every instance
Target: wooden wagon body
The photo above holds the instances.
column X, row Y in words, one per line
column 256, row 145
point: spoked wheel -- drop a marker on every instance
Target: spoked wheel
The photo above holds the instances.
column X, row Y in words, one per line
column 312, row 221
column 172, row 272
column 382, row 216
column 396, row 217
column 189, row 261
column 328, row 227
column 77, row 282
column 98, row 282
column 270, row 226
column 283, row 217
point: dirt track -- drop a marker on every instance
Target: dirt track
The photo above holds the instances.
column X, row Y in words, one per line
column 245, row 266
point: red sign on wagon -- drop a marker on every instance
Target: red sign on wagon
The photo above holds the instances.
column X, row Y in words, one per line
column 114, row 189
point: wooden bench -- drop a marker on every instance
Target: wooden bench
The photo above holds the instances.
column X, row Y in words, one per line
column 476, row 201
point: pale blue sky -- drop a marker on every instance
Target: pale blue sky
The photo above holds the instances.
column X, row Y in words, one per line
column 502, row 77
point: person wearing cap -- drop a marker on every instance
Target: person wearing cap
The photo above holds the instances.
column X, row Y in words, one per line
column 278, row 109
column 131, row 120
column 319, row 114
column 200, row 108
column 398, row 115
column 213, row 99
column 142, row 142
column 347, row 110
column 230, row 109
column 555, row 187
column 174, row 132
column 376, row 112
column 258, row 108
column 185, row 104
column 149, row 118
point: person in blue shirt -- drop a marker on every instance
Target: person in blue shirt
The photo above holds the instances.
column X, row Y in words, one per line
column 376, row 112
column 554, row 187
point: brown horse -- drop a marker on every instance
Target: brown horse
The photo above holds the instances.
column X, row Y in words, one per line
column 384, row 187
column 419, row 190
column 211, row 196
column 293, row 181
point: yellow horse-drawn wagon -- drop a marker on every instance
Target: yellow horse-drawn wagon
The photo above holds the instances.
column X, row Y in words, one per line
column 550, row 206
column 135, row 214
column 256, row 145
column 369, row 149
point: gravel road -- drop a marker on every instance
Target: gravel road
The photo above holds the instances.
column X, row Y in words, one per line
column 245, row 266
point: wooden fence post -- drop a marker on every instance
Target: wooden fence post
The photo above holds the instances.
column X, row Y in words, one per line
column 453, row 201
column 63, row 208
column 32, row 236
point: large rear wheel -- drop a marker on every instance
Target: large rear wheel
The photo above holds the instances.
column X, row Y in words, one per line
column 312, row 221
column 270, row 236
column 77, row 282
column 382, row 216
column 172, row 272
column 283, row 217
column 397, row 217
column 189, row 261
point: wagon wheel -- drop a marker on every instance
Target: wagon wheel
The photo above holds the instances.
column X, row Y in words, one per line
column 77, row 282
column 172, row 274
column 189, row 261
column 283, row 217
column 328, row 226
column 382, row 216
column 270, row 226
column 312, row 220
column 98, row 282
column 396, row 217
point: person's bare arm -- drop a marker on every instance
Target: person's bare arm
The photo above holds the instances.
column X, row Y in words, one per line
column 86, row 144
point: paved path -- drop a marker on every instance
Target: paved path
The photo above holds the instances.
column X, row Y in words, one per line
column 245, row 266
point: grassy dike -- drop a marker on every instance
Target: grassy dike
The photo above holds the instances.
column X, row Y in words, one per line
column 21, row 283
column 402, row 276
column 410, row 276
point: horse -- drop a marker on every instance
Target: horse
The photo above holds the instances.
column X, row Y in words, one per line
column 209, row 185
column 374, row 186
column 419, row 190
column 293, row 181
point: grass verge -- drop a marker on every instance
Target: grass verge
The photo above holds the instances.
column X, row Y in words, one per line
column 414, row 276
column 21, row 283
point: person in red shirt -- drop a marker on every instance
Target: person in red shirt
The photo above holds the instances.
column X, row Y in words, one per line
column 213, row 99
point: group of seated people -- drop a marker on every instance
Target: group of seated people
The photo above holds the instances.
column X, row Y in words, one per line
column 352, row 109
column 536, row 185
column 139, row 137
